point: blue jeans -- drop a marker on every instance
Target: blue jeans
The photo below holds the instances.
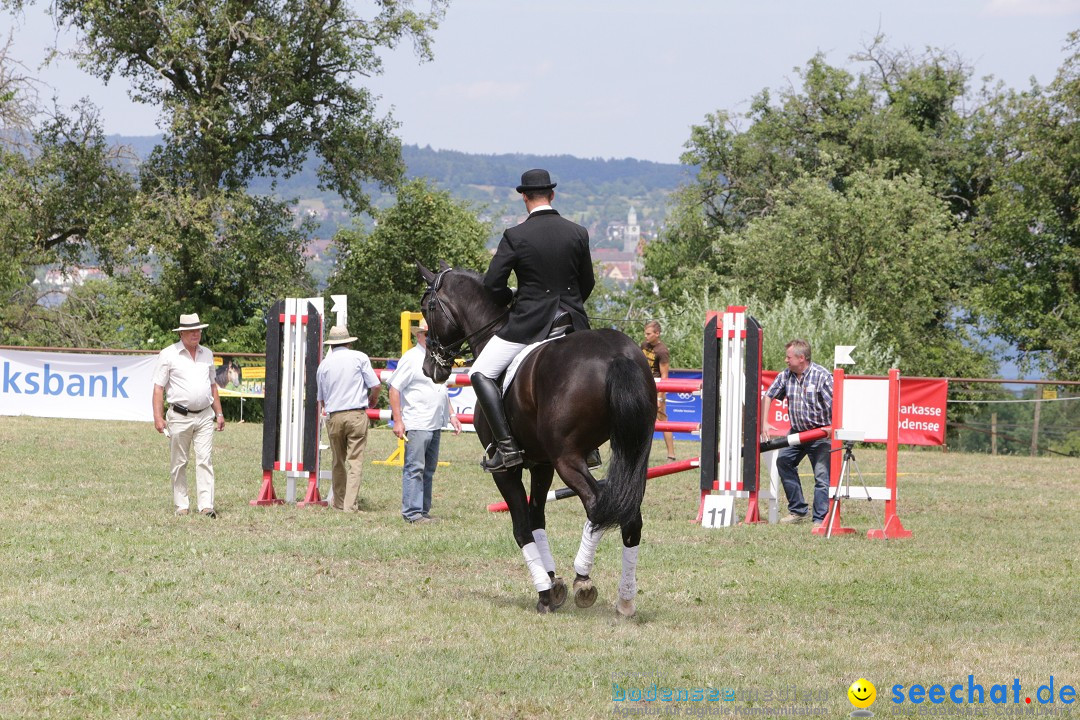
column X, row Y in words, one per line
column 421, row 459
column 787, row 464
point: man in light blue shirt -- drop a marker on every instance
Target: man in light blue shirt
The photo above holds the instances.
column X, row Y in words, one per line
column 420, row 408
column 347, row 388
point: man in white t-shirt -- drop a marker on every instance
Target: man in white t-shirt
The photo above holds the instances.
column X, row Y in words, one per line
column 420, row 409
column 185, row 377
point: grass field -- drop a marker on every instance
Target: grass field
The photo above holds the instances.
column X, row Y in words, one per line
column 111, row 607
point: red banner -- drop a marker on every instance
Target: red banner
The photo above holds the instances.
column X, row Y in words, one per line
column 922, row 410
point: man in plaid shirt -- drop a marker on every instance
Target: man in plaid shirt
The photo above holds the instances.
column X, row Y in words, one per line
column 808, row 388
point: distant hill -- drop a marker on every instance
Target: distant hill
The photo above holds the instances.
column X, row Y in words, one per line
column 457, row 168
column 595, row 192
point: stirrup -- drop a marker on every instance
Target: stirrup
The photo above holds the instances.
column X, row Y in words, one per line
column 501, row 461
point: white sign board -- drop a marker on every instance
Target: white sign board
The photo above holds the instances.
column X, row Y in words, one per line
column 73, row 385
column 866, row 407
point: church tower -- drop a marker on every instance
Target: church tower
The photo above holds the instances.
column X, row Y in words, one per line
column 633, row 232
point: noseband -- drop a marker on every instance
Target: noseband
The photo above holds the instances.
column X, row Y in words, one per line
column 443, row 355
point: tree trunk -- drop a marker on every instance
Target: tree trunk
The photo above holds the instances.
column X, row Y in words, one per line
column 993, row 433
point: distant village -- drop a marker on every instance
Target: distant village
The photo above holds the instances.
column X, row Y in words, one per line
column 53, row 285
column 618, row 256
column 617, row 247
column 594, row 199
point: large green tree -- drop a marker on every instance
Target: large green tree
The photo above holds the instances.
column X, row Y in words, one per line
column 65, row 201
column 1029, row 234
column 884, row 244
column 226, row 253
column 788, row 196
column 245, row 89
column 253, row 88
column 377, row 270
column 18, row 95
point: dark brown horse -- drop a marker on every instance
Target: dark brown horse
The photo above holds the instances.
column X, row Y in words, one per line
column 569, row 396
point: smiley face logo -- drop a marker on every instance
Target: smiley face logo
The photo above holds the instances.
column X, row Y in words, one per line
column 862, row 694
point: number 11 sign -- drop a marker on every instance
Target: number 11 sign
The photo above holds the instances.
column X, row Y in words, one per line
column 718, row 511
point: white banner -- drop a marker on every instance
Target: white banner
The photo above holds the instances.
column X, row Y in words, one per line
column 71, row 385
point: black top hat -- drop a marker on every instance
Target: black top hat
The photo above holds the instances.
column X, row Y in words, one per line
column 535, row 180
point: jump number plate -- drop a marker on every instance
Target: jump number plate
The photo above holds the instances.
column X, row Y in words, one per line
column 718, row 512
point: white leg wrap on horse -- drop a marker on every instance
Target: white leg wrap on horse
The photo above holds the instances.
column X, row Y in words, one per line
column 536, row 567
column 540, row 538
column 586, row 554
column 628, row 583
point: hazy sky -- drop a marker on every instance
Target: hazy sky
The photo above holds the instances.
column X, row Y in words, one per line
column 609, row 78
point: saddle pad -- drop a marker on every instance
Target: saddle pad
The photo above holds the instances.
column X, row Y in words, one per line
column 511, row 370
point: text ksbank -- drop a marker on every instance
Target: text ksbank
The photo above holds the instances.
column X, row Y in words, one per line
column 47, row 382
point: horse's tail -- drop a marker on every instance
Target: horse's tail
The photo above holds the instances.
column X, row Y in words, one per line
column 632, row 410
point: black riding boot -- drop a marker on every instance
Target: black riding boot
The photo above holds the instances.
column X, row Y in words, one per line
column 507, row 453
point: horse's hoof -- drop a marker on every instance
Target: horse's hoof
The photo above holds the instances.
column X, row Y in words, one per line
column 558, row 593
column 584, row 593
column 542, row 608
column 626, row 608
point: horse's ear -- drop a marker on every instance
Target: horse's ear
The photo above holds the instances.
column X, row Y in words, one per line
column 443, row 267
column 427, row 275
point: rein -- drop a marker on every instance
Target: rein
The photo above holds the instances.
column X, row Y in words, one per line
column 444, row 355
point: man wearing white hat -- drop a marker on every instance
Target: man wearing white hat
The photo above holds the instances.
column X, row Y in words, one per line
column 347, row 388
column 420, row 409
column 185, row 377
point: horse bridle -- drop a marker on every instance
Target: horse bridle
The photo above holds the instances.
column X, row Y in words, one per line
column 444, row 355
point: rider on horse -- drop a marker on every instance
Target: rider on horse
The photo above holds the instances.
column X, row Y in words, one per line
column 550, row 257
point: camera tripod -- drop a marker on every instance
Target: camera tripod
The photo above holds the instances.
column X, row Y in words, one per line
column 846, row 465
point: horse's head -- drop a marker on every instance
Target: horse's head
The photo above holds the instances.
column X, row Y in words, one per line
column 444, row 337
column 236, row 375
column 458, row 310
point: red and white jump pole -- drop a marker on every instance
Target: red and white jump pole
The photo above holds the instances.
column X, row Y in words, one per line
column 655, row 471
column 794, row 439
column 467, row 418
column 676, row 385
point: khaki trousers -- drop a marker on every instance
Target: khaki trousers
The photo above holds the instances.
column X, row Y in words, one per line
column 347, row 431
column 192, row 431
